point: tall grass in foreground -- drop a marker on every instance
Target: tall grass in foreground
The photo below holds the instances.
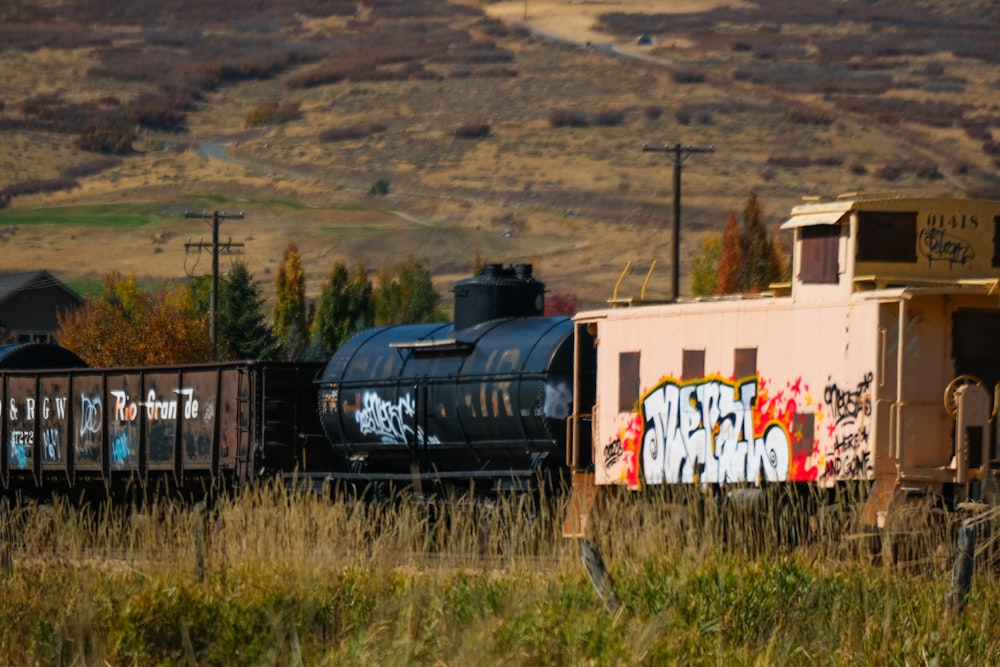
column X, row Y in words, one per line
column 292, row 578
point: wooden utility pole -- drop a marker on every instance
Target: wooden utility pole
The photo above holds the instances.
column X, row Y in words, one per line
column 215, row 217
column 677, row 154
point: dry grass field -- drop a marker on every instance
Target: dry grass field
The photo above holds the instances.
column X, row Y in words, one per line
column 797, row 98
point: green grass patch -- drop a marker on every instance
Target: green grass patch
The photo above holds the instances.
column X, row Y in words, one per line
column 119, row 216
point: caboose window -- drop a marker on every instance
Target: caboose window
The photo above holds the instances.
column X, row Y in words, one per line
column 886, row 236
column 820, row 248
column 744, row 362
column 628, row 381
column 693, row 364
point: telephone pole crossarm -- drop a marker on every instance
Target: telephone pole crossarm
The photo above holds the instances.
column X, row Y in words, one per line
column 216, row 217
column 677, row 153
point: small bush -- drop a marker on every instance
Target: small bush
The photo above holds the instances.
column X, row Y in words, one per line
column 272, row 112
column 343, row 133
column 688, row 76
column 683, row 116
column 472, row 131
column 568, row 118
column 857, row 168
column 609, row 117
column 379, row 187
column 789, row 161
column 652, row 112
column 828, row 161
column 890, row 172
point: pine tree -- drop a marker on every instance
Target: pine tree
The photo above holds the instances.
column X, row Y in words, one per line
column 705, row 266
column 759, row 265
column 242, row 331
column 289, row 314
column 729, row 258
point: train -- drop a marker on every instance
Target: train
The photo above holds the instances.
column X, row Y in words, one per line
column 876, row 365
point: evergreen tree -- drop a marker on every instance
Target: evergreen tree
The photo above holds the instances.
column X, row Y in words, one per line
column 729, row 258
column 759, row 264
column 405, row 294
column 289, row 314
column 345, row 308
column 705, row 266
column 242, row 331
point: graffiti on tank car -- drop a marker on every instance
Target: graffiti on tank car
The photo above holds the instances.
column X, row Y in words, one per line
column 558, row 401
column 391, row 423
column 937, row 245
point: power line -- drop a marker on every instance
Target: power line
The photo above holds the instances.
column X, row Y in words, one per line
column 216, row 248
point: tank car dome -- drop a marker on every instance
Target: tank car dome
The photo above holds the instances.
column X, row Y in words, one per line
column 497, row 293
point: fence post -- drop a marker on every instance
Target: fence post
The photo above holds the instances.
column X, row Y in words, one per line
column 599, row 575
column 961, row 572
column 199, row 540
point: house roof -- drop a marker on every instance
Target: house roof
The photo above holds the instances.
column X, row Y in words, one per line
column 12, row 284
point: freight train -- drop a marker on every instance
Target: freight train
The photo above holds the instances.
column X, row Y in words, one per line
column 876, row 365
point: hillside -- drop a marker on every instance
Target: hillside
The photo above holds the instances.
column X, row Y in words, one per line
column 796, row 98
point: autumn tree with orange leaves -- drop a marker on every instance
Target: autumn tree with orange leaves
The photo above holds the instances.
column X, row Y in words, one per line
column 289, row 314
column 130, row 326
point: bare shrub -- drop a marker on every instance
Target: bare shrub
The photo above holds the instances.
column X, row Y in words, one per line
column 688, row 76
column 38, row 186
column 789, row 161
column 106, row 136
column 806, row 116
column 472, row 131
column 608, row 117
column 890, row 172
column 828, row 161
column 568, row 118
column 652, row 112
column 273, row 111
column 344, row 133
column 90, row 167
column 683, row 116
column 857, row 168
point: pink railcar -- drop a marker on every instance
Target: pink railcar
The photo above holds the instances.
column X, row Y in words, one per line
column 877, row 363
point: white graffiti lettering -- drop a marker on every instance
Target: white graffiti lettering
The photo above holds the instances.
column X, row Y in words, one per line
column 91, row 412
column 558, row 401
column 390, row 423
column 704, row 433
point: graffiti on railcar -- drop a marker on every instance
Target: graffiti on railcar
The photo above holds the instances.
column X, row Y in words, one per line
column 712, row 430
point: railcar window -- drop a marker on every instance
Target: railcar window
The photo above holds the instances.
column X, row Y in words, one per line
column 628, row 381
column 693, row 364
column 820, row 248
column 745, row 362
column 887, row 236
